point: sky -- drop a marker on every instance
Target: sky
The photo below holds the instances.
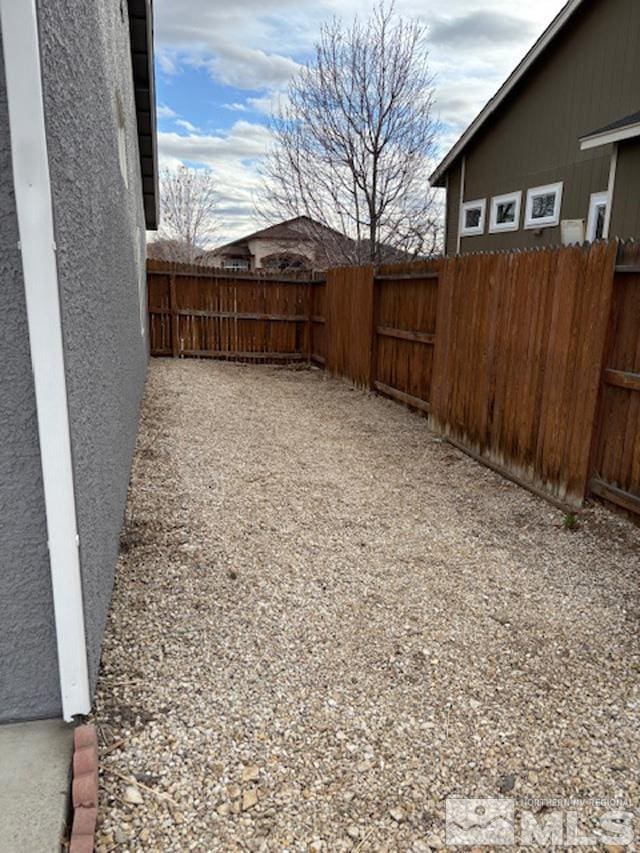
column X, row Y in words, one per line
column 220, row 66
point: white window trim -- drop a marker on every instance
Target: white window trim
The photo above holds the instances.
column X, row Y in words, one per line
column 548, row 221
column 236, row 266
column 496, row 227
column 471, row 205
column 596, row 200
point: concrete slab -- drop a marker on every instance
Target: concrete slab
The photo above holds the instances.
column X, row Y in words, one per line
column 35, row 776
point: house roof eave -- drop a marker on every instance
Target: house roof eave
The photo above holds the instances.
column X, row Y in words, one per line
column 141, row 34
column 617, row 131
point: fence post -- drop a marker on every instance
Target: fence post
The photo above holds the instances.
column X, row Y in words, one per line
column 362, row 321
column 175, row 319
column 373, row 365
column 599, row 420
column 311, row 306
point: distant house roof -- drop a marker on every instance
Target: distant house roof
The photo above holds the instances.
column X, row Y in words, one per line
column 141, row 34
column 553, row 30
column 296, row 229
column 238, row 250
column 624, row 128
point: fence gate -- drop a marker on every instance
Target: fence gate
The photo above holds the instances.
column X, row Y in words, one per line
column 616, row 455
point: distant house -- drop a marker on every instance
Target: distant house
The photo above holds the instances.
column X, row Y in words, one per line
column 299, row 243
column 78, row 172
column 554, row 157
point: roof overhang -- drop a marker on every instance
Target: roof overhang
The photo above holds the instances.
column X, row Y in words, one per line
column 235, row 250
column 438, row 177
column 141, row 31
column 607, row 137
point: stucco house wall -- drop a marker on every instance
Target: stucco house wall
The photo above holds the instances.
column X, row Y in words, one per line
column 28, row 680
column 92, row 138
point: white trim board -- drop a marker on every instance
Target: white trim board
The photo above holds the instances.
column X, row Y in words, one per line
column 611, row 190
column 32, row 186
column 463, row 180
column 539, row 47
column 608, row 137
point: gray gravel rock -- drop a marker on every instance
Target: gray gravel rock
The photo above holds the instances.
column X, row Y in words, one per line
column 362, row 613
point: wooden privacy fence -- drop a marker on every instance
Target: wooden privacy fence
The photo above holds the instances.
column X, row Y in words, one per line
column 521, row 342
column 528, row 361
column 208, row 313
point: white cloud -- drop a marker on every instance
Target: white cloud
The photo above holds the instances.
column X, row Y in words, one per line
column 244, row 141
column 233, row 156
column 166, row 61
column 235, row 42
column 264, row 105
column 163, row 111
column 246, row 68
column 482, row 26
column 186, row 125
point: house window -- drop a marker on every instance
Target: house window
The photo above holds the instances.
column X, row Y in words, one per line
column 472, row 218
column 505, row 212
column 596, row 225
column 235, row 264
column 543, row 206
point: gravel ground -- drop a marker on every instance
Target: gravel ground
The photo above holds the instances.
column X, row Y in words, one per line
column 326, row 621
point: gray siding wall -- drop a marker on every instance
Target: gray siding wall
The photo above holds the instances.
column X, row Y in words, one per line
column 100, row 238
column 28, row 658
column 589, row 77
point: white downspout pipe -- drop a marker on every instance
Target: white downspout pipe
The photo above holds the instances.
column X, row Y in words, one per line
column 611, row 191
column 18, row 19
column 463, row 180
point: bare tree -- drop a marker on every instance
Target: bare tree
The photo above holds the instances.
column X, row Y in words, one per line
column 166, row 249
column 188, row 202
column 354, row 139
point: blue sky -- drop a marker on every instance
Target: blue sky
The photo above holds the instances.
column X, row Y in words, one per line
column 220, row 66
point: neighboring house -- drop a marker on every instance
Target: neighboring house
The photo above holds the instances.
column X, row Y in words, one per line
column 78, row 178
column 554, row 157
column 299, row 243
